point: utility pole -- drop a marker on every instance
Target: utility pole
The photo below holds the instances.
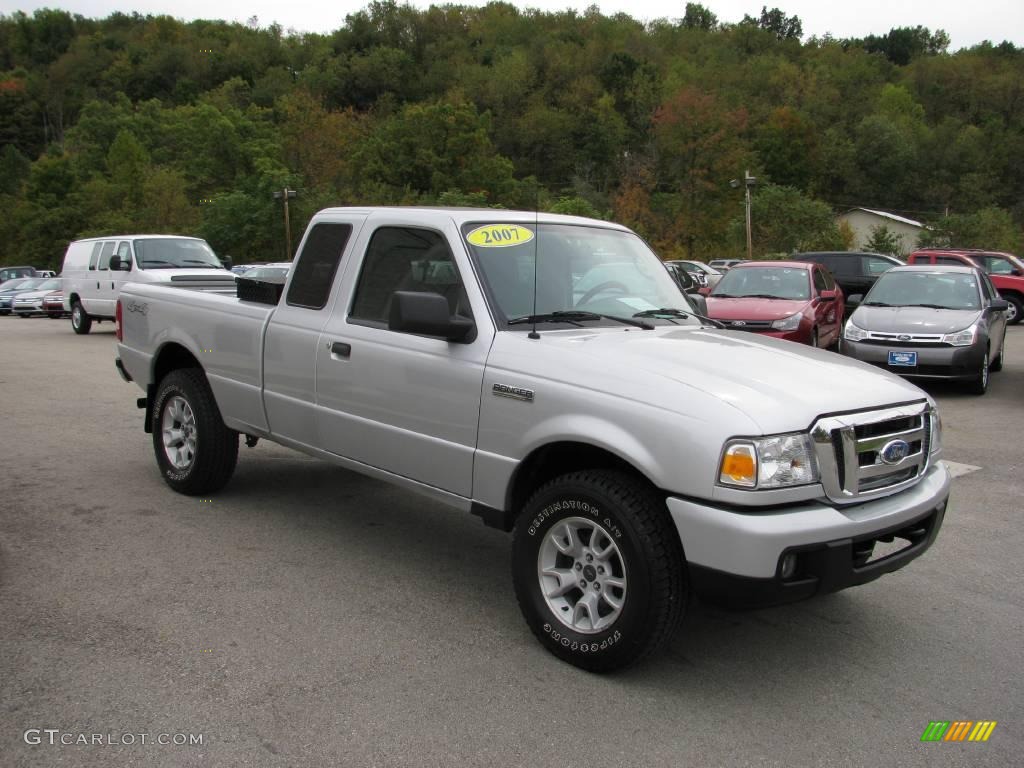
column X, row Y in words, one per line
column 748, row 182
column 286, row 195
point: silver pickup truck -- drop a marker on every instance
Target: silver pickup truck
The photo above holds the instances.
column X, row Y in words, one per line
column 545, row 373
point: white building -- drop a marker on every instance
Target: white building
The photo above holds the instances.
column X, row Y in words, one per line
column 863, row 220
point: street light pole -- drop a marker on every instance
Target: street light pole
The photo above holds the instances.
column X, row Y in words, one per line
column 286, row 195
column 748, row 182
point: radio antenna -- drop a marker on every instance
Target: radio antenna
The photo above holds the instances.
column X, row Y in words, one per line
column 536, row 253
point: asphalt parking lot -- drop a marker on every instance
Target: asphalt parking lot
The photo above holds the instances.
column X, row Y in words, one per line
column 309, row 616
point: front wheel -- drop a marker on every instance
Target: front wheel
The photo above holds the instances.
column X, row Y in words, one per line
column 196, row 453
column 1014, row 313
column 979, row 384
column 80, row 319
column 598, row 569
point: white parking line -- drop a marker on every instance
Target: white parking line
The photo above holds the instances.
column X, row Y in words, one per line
column 957, row 469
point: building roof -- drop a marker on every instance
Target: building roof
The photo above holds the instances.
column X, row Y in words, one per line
column 891, row 216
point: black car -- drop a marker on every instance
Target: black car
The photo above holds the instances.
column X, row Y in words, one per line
column 855, row 272
column 9, row 273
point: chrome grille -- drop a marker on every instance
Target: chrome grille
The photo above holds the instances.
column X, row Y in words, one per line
column 849, row 450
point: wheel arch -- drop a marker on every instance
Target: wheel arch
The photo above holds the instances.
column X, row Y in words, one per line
column 171, row 356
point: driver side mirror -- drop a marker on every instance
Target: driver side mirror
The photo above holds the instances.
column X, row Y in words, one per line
column 999, row 305
column 226, row 261
column 117, row 264
column 427, row 314
column 704, row 291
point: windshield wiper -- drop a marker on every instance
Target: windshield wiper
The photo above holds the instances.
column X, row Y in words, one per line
column 764, row 296
column 669, row 313
column 935, row 306
column 574, row 316
column 877, row 304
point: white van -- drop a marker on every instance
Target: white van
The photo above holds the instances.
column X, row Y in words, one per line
column 95, row 269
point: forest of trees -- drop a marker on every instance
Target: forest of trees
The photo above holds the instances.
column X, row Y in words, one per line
column 149, row 124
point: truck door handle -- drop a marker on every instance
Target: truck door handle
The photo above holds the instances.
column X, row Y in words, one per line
column 341, row 349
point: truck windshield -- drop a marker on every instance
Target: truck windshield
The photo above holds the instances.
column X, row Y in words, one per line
column 578, row 269
column 938, row 290
column 175, row 253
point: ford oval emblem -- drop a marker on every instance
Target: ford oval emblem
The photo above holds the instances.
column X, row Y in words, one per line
column 739, row 323
column 894, row 451
column 903, row 337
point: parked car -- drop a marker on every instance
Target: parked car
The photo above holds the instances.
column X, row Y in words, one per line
column 931, row 322
column 552, row 386
column 1004, row 269
column 790, row 300
column 45, row 273
column 30, row 302
column 9, row 273
column 706, row 274
column 278, row 269
column 724, row 265
column 241, row 269
column 854, row 271
column 11, row 287
column 95, row 269
column 53, row 304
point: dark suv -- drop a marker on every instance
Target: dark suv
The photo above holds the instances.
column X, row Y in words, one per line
column 9, row 273
column 854, row 271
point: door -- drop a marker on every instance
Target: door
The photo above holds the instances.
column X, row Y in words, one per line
column 94, row 299
column 290, row 345
column 400, row 402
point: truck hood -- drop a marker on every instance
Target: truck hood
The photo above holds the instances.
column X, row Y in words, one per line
column 754, row 309
column 913, row 320
column 779, row 385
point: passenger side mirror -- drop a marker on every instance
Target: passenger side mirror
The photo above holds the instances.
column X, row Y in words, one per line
column 827, row 295
column 854, row 300
column 700, row 304
column 705, row 291
column 999, row 305
column 226, row 261
column 427, row 314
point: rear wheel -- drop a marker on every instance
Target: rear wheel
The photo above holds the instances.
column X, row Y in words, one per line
column 598, row 569
column 196, row 453
column 80, row 319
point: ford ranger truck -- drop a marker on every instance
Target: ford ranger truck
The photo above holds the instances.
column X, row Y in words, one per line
column 545, row 373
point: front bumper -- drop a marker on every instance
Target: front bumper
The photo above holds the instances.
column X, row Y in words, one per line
column 933, row 361
column 735, row 556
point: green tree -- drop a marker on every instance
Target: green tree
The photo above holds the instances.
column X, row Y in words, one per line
column 883, row 240
column 784, row 220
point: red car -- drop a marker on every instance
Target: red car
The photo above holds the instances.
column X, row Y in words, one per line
column 1005, row 270
column 793, row 300
column 53, row 304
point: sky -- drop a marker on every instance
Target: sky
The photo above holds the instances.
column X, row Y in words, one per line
column 967, row 23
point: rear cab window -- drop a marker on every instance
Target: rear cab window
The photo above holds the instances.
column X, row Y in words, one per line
column 317, row 265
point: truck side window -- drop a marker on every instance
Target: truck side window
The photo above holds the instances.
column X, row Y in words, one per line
column 875, row 266
column 406, row 259
column 94, row 259
column 317, row 265
column 949, row 260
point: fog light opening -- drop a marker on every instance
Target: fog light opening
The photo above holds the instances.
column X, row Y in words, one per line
column 788, row 569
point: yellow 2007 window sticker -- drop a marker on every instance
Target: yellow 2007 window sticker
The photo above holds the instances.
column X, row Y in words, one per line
column 499, row 236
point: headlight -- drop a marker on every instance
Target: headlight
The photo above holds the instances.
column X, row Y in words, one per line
column 962, row 338
column 935, row 440
column 768, row 462
column 790, row 323
column 853, row 333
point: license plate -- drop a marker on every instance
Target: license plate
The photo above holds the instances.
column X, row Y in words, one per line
column 904, row 359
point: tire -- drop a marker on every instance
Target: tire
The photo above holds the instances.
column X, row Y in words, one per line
column 80, row 319
column 1016, row 312
column 201, row 456
column 997, row 364
column 979, row 384
column 640, row 548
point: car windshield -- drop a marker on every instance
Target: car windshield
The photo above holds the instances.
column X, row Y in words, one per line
column 26, row 285
column 15, row 283
column 175, row 253
column 573, row 269
column 765, row 282
column 266, row 272
column 938, row 290
column 49, row 285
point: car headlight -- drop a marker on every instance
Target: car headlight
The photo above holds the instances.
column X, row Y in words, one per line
column 852, row 333
column 790, row 323
column 962, row 338
column 935, row 441
column 768, row 462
